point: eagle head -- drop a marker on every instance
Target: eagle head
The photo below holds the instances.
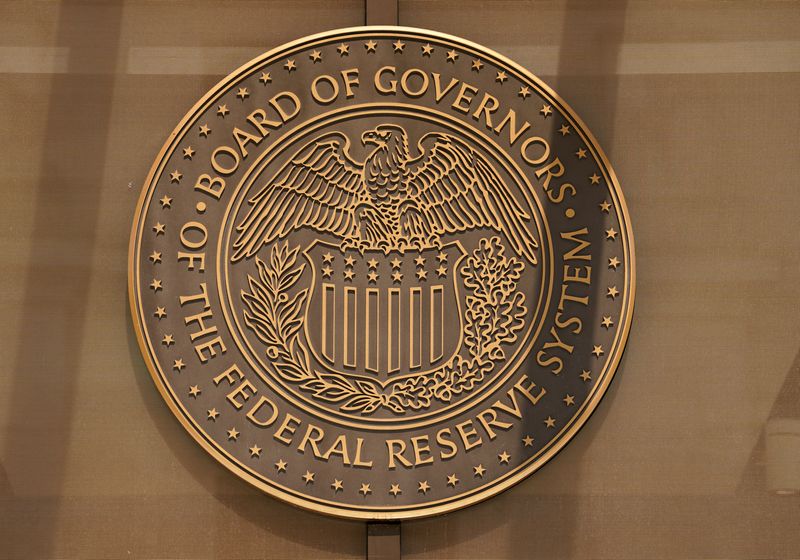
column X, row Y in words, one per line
column 388, row 136
column 385, row 167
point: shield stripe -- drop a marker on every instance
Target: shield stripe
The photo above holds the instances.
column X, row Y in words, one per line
column 415, row 331
column 328, row 321
column 372, row 358
column 350, row 325
column 393, row 334
column 436, row 326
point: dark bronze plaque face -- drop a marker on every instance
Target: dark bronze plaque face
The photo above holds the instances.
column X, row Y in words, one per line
column 381, row 273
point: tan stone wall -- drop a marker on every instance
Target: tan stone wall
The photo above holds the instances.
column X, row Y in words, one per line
column 696, row 104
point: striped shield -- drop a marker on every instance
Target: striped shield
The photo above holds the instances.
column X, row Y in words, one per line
column 384, row 315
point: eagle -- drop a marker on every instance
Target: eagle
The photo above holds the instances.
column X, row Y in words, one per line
column 390, row 202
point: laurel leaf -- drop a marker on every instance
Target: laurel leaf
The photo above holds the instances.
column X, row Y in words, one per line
column 290, row 278
column 290, row 312
column 257, row 306
column 291, row 371
column 367, row 388
column 300, row 355
column 263, row 329
column 358, row 403
column 332, row 394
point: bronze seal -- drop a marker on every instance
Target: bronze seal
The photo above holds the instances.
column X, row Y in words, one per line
column 381, row 273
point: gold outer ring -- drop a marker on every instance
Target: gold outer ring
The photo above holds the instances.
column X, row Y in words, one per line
column 497, row 485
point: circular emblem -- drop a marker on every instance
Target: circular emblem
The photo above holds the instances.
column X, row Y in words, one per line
column 381, row 273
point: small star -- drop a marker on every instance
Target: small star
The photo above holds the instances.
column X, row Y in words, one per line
column 327, row 258
column 290, row 65
column 188, row 153
column 349, row 261
column 441, row 257
column 348, row 274
column 550, row 422
column 441, row 271
column 569, row 400
column 365, row 489
column 605, row 206
column 156, row 285
column 395, row 490
column 423, row 487
column 168, row 340
column 399, row 46
column 178, row 364
column 452, row 480
column 233, row 434
column 528, row 441
column 343, row 49
column 175, row 176
column 327, row 271
column 501, row 77
column 370, row 46
column 607, row 322
column 422, row 274
column 504, row 457
column 265, row 78
column 546, row 110
column 452, row 56
column 315, row 56
column 194, row 390
column 373, row 263
column 372, row 277
column 612, row 292
column 309, row 477
column 281, row 465
column 613, row 262
column 212, row 414
column 564, row 130
column 598, row 351
column 166, row 202
column 479, row 471
column 396, row 263
column 337, row 485
column 397, row 276
column 242, row 93
column 595, row 179
column 160, row 312
column 420, row 261
column 159, row 228
column 155, row 256
column 255, row 451
column 205, row 130
column 477, row 65
column 586, row 375
column 427, row 50
column 524, row 92
column 611, row 234
column 222, row 110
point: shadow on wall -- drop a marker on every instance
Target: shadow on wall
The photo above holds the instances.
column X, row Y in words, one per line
column 57, row 276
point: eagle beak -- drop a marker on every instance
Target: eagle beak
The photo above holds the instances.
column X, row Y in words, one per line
column 365, row 138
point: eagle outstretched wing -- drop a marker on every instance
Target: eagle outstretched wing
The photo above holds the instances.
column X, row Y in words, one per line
column 318, row 187
column 458, row 189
